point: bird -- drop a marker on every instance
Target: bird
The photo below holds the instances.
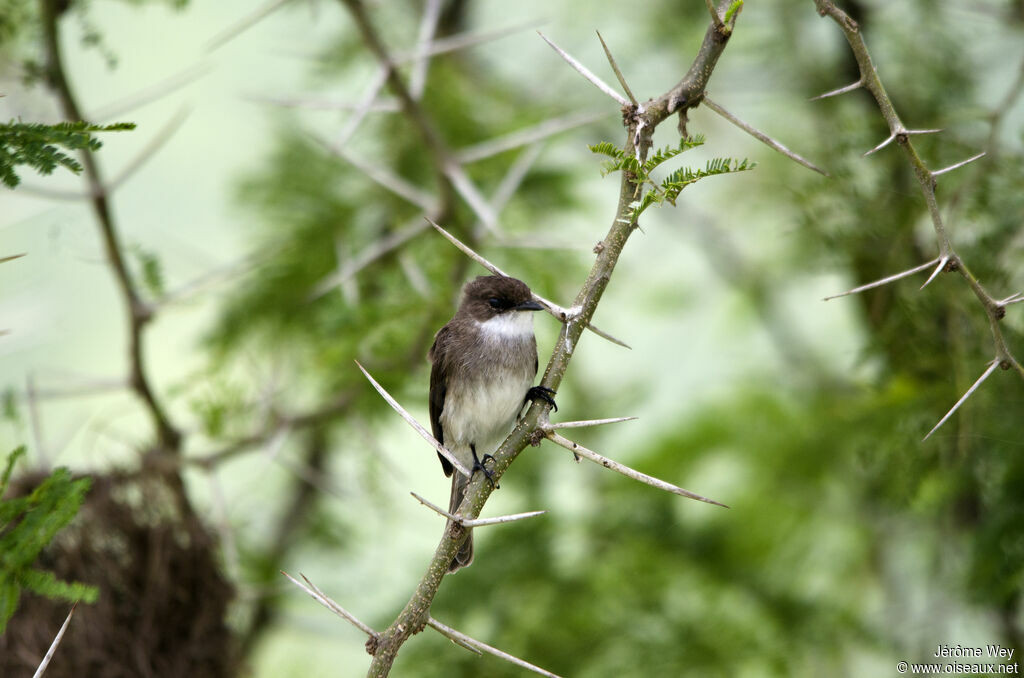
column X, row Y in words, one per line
column 483, row 363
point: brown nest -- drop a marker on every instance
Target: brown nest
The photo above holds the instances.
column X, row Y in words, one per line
column 163, row 598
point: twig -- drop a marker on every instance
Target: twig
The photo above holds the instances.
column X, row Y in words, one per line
column 319, row 596
column 578, row 449
column 585, row 72
column 476, row 522
column 473, row 644
column 991, row 368
column 415, row 424
column 53, row 646
column 761, row 136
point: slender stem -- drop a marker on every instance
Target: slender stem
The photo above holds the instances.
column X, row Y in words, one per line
column 139, row 312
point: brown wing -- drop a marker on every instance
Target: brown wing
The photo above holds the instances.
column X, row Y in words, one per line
column 438, row 388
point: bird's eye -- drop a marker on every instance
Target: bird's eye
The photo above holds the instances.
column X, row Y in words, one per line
column 495, row 302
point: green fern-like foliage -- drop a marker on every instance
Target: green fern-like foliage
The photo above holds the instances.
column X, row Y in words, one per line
column 669, row 188
column 27, row 525
column 42, row 147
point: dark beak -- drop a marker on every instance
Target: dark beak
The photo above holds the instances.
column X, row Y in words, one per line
column 530, row 305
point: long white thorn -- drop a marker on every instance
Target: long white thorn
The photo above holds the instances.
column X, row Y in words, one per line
column 53, row 646
column 415, row 424
column 587, row 422
column 938, row 269
column 991, row 368
column 585, row 72
column 476, row 522
column 958, row 165
column 761, row 136
column 319, row 596
column 886, row 280
column 612, row 465
column 477, row 646
column 841, row 90
column 562, row 314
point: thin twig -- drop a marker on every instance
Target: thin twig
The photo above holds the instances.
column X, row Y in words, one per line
column 761, row 136
column 53, row 646
column 991, row 368
column 415, row 424
column 581, row 451
column 463, row 639
column 585, row 72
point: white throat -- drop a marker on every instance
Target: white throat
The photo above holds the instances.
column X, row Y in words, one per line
column 509, row 325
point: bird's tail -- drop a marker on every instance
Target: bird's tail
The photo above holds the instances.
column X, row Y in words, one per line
column 465, row 555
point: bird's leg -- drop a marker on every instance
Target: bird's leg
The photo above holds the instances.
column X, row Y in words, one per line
column 542, row 393
column 480, row 465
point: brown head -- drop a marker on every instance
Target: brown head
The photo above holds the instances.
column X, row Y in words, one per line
column 489, row 296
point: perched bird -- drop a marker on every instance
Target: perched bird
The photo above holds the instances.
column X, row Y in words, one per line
column 484, row 363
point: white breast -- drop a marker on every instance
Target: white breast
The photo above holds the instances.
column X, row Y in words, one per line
column 512, row 325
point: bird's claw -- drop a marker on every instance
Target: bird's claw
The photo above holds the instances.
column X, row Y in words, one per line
column 481, row 465
column 542, row 393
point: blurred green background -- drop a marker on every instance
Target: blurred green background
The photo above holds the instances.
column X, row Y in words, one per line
column 849, row 544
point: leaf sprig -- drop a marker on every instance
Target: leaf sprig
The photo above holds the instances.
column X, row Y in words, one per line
column 668, row 189
column 39, row 146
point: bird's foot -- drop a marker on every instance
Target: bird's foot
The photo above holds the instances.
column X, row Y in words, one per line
column 542, row 393
column 481, row 465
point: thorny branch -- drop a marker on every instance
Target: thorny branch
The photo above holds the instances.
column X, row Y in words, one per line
column 640, row 122
column 949, row 259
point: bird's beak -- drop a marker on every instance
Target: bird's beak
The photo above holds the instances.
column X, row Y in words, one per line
column 530, row 305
